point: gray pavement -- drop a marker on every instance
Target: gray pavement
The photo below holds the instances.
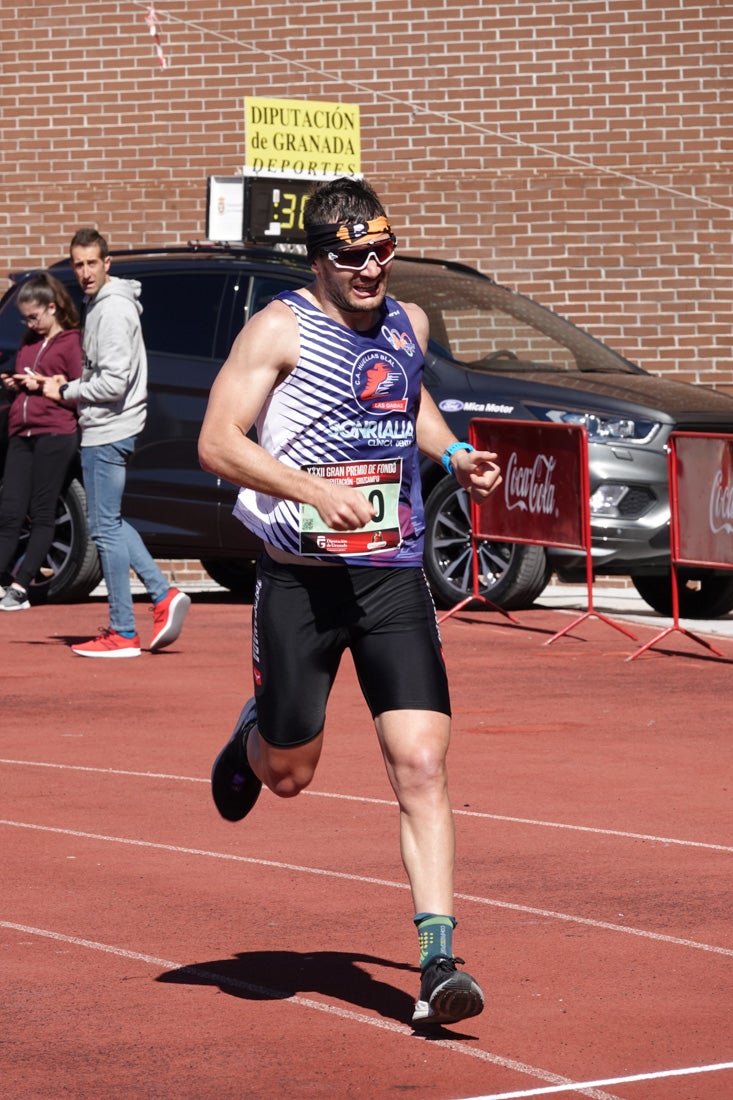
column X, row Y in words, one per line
column 626, row 605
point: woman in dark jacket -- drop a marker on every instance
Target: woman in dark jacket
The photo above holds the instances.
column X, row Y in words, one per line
column 43, row 435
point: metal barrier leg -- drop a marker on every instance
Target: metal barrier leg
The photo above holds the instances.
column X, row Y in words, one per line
column 476, row 593
column 590, row 614
column 675, row 630
column 481, row 599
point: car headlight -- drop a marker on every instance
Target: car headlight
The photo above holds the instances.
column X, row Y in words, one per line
column 607, row 429
column 605, row 501
column 622, row 502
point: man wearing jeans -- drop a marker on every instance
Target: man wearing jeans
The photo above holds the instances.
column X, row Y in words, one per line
column 111, row 397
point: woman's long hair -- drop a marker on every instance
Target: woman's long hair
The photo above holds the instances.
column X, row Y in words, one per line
column 44, row 290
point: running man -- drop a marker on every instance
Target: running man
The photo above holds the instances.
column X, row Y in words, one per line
column 331, row 376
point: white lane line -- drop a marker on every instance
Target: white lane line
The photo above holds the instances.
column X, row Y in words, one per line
column 221, row 981
column 549, row 914
column 538, row 823
column 581, row 1085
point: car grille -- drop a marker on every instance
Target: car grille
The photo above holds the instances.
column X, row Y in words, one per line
column 636, row 502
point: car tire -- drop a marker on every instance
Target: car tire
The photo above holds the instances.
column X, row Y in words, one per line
column 511, row 575
column 71, row 568
column 237, row 576
column 705, row 596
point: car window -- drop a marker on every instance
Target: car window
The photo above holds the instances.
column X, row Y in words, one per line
column 487, row 326
column 11, row 334
column 233, row 312
column 181, row 311
column 12, row 330
column 466, row 319
column 265, row 288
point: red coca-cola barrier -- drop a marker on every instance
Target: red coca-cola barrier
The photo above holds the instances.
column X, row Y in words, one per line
column 544, row 497
column 701, row 513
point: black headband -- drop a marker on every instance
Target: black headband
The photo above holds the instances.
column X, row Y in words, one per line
column 336, row 235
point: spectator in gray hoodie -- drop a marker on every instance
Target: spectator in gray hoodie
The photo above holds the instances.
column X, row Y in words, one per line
column 111, row 399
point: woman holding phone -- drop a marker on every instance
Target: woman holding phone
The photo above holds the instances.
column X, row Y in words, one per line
column 43, row 434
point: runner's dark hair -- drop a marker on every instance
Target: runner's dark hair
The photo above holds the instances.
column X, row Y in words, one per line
column 343, row 200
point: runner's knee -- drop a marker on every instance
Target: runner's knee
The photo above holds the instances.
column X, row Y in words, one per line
column 286, row 772
column 288, row 784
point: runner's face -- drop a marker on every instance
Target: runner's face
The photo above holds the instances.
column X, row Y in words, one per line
column 354, row 291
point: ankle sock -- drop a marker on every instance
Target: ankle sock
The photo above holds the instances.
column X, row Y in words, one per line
column 125, row 633
column 435, row 936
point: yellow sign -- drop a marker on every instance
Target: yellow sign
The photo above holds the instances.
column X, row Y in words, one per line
column 298, row 137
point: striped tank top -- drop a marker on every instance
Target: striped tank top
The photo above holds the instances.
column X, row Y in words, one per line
column 347, row 411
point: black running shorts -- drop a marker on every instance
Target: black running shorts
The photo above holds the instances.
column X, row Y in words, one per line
column 303, row 619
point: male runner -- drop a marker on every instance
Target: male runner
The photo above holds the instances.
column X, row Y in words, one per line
column 331, row 376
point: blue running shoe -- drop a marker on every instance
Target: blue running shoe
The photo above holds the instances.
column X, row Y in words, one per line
column 234, row 786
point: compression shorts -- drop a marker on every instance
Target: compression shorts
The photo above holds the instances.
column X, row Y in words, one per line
column 305, row 617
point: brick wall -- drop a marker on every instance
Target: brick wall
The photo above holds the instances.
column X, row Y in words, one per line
column 579, row 151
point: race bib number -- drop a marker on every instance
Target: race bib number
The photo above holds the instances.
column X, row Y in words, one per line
column 380, row 484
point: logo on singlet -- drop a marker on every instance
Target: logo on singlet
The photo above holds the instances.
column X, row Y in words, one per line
column 401, row 341
column 379, row 383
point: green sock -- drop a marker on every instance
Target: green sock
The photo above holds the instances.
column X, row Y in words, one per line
column 435, row 935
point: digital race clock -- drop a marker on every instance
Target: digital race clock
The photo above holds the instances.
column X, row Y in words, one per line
column 273, row 208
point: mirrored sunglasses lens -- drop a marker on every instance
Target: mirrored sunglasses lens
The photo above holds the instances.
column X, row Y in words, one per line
column 384, row 251
column 357, row 258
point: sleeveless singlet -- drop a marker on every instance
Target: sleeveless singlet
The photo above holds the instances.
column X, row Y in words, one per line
column 347, row 411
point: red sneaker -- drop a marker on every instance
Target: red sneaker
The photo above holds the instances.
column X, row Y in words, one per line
column 108, row 644
column 168, row 616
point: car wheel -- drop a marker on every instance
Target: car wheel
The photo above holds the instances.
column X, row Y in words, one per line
column 71, row 568
column 237, row 576
column 511, row 575
column 706, row 596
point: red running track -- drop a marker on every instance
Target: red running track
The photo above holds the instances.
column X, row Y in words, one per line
column 152, row 950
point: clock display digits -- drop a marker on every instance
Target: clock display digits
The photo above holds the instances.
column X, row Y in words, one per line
column 274, row 208
column 288, row 206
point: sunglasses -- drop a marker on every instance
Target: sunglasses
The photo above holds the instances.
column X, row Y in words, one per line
column 356, row 259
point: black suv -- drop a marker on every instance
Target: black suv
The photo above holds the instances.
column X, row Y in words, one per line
column 493, row 353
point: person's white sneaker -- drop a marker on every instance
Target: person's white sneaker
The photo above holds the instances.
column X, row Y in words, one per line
column 15, row 599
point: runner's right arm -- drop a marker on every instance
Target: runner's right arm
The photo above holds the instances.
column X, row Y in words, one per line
column 263, row 354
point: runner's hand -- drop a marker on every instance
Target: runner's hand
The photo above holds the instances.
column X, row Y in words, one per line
column 343, row 508
column 477, row 472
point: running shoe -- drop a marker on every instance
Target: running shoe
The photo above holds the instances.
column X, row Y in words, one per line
column 108, row 644
column 15, row 599
column 168, row 616
column 447, row 995
column 234, row 786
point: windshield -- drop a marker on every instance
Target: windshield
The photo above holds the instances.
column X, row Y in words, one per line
column 12, row 330
column 486, row 326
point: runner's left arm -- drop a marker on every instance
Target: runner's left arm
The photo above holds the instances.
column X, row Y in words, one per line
column 476, row 471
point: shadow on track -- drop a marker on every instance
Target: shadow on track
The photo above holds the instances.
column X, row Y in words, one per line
column 277, row 975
